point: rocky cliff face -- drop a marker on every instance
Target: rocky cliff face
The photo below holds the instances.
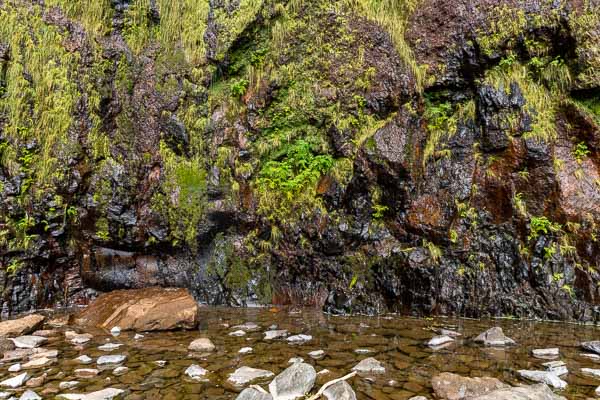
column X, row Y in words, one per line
column 415, row 156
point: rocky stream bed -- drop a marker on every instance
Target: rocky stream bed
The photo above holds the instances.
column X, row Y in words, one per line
column 233, row 349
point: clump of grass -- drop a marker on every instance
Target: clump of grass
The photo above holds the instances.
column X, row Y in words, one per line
column 95, row 15
column 505, row 25
column 393, row 15
column 540, row 101
column 40, row 94
column 181, row 29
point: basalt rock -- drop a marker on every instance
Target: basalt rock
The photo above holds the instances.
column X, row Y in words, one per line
column 328, row 162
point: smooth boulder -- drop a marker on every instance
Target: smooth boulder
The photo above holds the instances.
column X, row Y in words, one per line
column 202, row 345
column 275, row 334
column 438, row 341
column 494, row 337
column 294, row 382
column 40, row 362
column 16, row 381
column 455, row 387
column 21, row 326
column 253, row 394
column 546, row 353
column 556, row 367
column 195, row 372
column 29, row 341
column 244, row 375
column 112, row 359
column 340, row 391
column 150, row 309
column 369, row 365
column 30, row 395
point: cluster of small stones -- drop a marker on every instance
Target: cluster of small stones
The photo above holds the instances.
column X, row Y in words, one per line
column 554, row 369
column 25, row 356
column 29, row 362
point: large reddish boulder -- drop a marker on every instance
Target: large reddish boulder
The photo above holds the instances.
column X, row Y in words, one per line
column 150, row 309
column 21, row 326
column 455, row 387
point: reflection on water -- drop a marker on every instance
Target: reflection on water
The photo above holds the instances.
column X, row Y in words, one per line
column 398, row 342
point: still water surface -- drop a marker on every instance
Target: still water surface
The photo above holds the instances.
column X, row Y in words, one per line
column 398, row 342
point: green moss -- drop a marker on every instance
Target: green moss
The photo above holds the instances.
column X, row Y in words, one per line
column 231, row 24
column 580, row 152
column 238, row 88
column 239, row 275
column 102, row 229
column 584, row 26
column 39, row 93
column 182, row 198
column 508, row 25
column 181, row 29
column 590, row 105
column 95, row 15
column 503, row 29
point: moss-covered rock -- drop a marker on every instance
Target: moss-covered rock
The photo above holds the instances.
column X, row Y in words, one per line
column 365, row 155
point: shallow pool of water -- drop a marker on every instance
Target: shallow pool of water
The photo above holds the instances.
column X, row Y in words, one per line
column 398, row 342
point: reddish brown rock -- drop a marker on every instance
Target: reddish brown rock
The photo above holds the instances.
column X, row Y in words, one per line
column 455, row 387
column 151, row 309
column 21, row 326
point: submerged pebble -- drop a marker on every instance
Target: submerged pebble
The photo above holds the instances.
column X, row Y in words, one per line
column 391, row 357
